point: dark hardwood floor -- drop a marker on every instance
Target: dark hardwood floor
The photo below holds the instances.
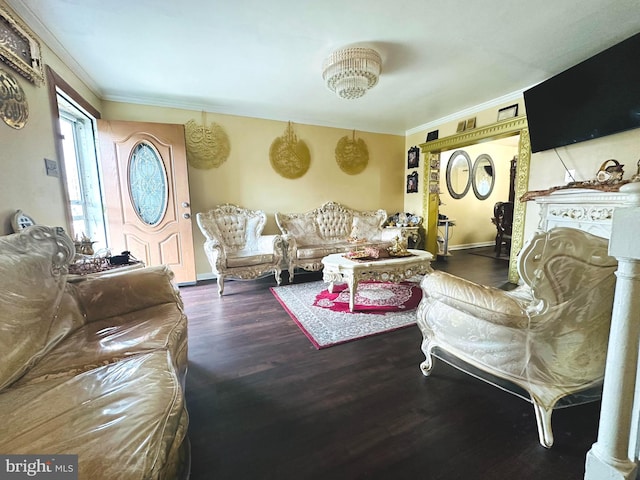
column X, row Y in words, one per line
column 265, row 404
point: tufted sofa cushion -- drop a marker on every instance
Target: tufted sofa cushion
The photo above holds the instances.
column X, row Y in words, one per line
column 333, row 225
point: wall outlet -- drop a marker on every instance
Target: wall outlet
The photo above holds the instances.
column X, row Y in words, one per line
column 51, row 166
column 569, row 176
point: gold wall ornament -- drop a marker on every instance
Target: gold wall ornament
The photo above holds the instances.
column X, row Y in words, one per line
column 19, row 48
column 352, row 154
column 289, row 156
column 207, row 147
column 14, row 109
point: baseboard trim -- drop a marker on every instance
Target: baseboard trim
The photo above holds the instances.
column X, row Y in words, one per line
column 471, row 245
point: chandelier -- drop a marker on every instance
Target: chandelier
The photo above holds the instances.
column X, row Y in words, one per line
column 350, row 72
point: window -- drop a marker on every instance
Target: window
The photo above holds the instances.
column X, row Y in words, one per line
column 82, row 174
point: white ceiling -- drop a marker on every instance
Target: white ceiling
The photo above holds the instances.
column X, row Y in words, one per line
column 263, row 58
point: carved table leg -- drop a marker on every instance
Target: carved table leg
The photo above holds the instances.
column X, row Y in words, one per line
column 353, row 286
column 352, row 297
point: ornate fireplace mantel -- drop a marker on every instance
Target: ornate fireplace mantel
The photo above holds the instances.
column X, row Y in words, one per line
column 588, row 210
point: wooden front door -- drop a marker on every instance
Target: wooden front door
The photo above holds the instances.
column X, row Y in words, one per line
column 146, row 187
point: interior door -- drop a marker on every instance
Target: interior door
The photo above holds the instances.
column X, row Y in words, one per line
column 146, row 186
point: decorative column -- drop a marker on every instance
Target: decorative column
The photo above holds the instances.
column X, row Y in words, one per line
column 611, row 457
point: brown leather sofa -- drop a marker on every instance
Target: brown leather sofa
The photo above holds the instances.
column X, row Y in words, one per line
column 93, row 367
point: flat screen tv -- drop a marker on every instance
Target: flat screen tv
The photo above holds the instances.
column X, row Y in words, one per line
column 592, row 99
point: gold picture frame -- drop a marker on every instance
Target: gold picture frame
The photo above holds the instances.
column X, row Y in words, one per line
column 508, row 112
column 19, row 48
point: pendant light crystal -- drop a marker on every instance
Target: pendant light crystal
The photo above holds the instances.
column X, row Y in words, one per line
column 350, row 72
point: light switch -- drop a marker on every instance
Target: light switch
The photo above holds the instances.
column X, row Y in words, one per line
column 51, row 166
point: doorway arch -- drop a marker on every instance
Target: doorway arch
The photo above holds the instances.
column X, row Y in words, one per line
column 430, row 199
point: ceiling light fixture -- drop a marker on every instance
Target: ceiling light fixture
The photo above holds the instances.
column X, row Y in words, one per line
column 350, row 72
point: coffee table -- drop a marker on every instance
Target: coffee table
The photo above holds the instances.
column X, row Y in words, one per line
column 338, row 269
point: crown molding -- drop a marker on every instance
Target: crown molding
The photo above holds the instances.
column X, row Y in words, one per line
column 203, row 105
column 510, row 97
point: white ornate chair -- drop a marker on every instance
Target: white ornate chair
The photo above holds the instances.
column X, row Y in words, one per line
column 545, row 341
column 235, row 245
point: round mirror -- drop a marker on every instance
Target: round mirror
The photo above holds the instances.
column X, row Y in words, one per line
column 458, row 174
column 483, row 176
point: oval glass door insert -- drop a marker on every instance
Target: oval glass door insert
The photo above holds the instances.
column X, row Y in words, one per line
column 148, row 184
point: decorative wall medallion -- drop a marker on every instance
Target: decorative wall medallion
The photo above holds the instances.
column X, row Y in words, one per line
column 14, row 109
column 19, row 48
column 207, row 147
column 352, row 154
column 289, row 156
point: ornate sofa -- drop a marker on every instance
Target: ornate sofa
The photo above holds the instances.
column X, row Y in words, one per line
column 545, row 341
column 93, row 367
column 330, row 228
column 235, row 245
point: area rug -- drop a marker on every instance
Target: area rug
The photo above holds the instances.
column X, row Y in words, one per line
column 326, row 322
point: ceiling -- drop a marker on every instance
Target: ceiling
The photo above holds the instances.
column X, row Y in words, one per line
column 264, row 58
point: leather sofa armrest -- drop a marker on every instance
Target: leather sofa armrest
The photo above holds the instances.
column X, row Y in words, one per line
column 118, row 294
column 485, row 303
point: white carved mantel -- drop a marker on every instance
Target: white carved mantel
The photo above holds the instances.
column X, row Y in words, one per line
column 588, row 210
column 616, row 216
column 614, row 456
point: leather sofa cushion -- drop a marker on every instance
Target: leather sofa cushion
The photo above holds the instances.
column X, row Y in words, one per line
column 121, row 293
column 367, row 227
column 320, row 251
column 123, row 420
column 106, row 341
column 487, row 303
column 29, row 294
column 244, row 259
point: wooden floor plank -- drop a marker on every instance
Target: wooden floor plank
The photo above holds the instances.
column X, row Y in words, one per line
column 265, row 404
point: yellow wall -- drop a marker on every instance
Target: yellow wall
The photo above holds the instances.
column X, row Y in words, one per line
column 247, row 179
column 24, row 184
column 473, row 216
column 585, row 158
column 546, row 169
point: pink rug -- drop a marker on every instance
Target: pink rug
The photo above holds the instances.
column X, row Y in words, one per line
column 372, row 297
column 329, row 325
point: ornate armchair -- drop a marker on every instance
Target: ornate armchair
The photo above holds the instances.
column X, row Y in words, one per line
column 545, row 341
column 235, row 245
